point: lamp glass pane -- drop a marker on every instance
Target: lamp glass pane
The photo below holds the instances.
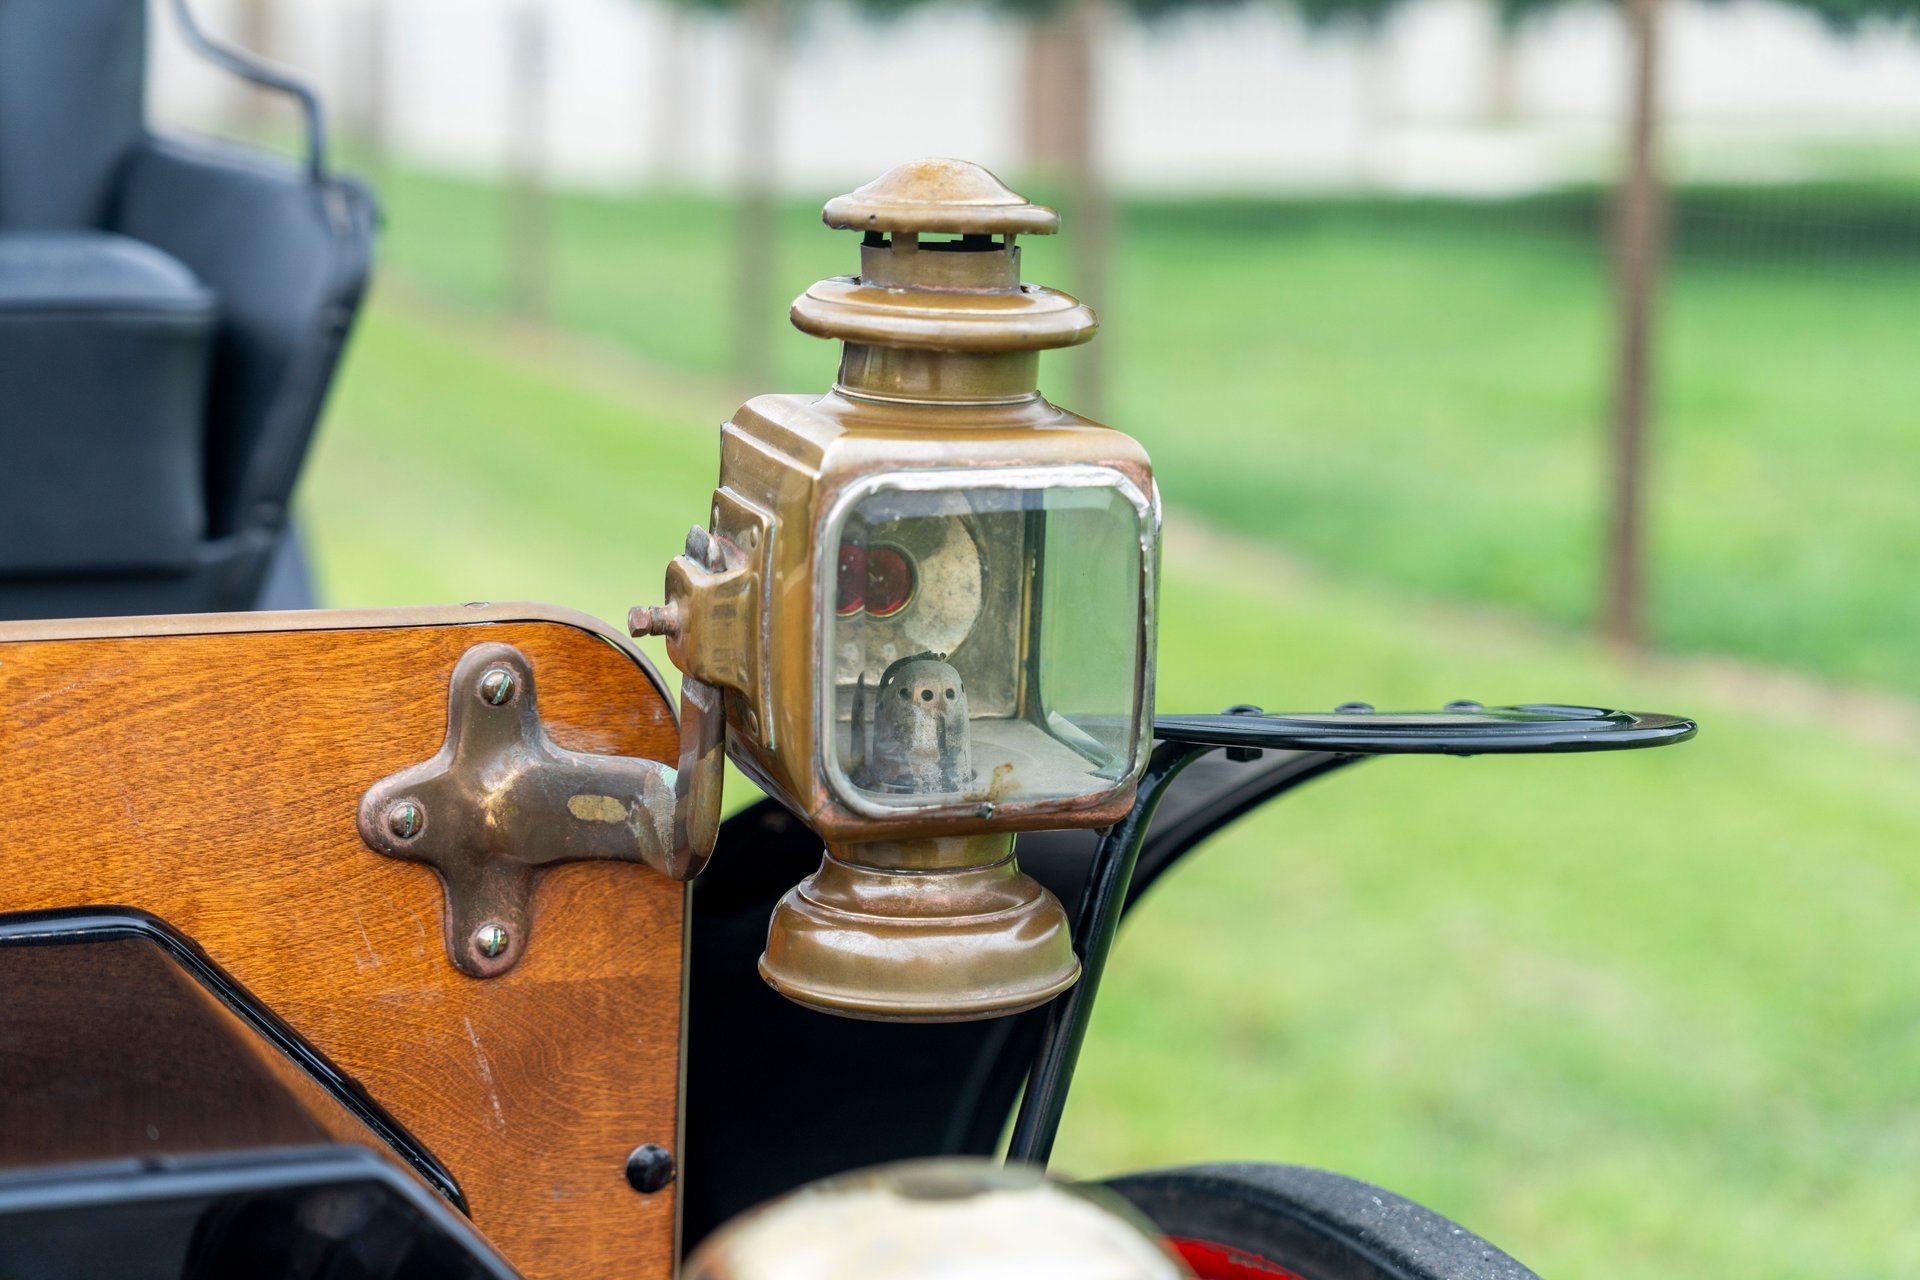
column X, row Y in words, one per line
column 985, row 645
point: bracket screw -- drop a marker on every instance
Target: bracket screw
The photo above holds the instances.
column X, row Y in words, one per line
column 496, row 686
column 1244, row 755
column 491, row 940
column 650, row 1168
column 654, row 620
column 1464, row 704
column 405, row 819
column 1354, row 709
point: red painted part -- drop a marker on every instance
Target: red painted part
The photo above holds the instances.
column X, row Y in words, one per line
column 1211, row 1261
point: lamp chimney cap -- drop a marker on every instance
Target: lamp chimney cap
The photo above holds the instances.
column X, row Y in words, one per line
column 953, row 197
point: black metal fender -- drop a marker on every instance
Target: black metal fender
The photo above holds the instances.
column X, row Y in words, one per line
column 778, row 1095
column 1277, row 1221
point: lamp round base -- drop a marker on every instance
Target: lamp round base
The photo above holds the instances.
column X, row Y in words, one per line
column 944, row 945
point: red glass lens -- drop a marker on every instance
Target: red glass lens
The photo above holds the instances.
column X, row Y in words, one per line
column 851, row 582
column 889, row 581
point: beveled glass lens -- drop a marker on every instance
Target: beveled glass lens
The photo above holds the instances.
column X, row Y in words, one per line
column 985, row 645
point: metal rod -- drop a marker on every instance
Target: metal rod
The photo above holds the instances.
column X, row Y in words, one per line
column 1331, row 742
column 247, row 66
column 1067, row 1017
column 1528, row 730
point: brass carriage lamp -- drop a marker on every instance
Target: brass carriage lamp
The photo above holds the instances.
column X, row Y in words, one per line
column 927, row 600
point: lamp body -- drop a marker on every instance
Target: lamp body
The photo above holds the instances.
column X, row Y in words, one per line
column 927, row 598
column 792, row 469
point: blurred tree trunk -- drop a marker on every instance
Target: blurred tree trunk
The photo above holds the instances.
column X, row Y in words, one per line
column 757, row 314
column 1640, row 232
column 1375, row 105
column 370, row 40
column 1047, row 83
column 1502, row 107
column 254, row 32
column 667, row 159
column 1063, row 143
column 529, row 242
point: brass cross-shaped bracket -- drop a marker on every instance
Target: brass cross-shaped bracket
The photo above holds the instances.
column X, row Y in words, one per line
column 500, row 802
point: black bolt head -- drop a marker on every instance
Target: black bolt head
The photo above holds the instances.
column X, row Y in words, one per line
column 650, row 1168
column 1244, row 755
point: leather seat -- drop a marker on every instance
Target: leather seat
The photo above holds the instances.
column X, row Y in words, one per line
column 171, row 313
column 106, row 346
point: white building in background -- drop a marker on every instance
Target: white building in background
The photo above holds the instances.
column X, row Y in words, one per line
column 1226, row 99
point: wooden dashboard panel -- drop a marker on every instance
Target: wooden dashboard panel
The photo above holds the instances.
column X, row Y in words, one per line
column 207, row 770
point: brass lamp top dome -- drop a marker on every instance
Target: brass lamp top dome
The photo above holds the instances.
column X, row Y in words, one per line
column 939, row 270
column 950, row 196
column 951, row 1219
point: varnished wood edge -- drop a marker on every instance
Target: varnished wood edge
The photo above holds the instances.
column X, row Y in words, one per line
column 479, row 613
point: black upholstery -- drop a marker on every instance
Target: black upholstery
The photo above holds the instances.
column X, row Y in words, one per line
column 171, row 314
column 289, row 263
column 105, row 346
column 72, row 81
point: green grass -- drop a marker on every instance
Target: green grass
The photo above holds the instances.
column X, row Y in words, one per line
column 1415, row 392
column 1638, row 1015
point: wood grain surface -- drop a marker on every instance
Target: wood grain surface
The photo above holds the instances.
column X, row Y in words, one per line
column 212, row 779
